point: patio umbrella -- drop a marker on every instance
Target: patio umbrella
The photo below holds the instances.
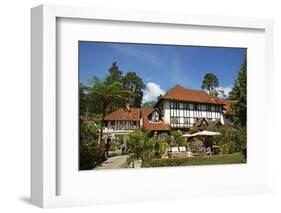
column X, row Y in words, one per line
column 186, row 135
column 205, row 133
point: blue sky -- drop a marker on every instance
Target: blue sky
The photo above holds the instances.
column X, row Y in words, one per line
column 161, row 66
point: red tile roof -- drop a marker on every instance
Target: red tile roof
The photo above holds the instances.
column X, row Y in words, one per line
column 179, row 93
column 149, row 125
column 135, row 114
column 123, row 114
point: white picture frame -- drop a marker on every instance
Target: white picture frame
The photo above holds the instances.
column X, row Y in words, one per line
column 44, row 154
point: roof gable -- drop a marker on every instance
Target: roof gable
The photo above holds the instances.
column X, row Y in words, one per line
column 149, row 125
column 179, row 93
column 124, row 114
column 154, row 110
column 135, row 114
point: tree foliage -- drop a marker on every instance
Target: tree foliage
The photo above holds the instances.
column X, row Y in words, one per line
column 102, row 96
column 239, row 93
column 108, row 93
column 145, row 148
column 84, row 99
column 134, row 83
column 177, row 139
column 139, row 146
column 99, row 98
column 231, row 139
column 90, row 152
column 115, row 74
column 210, row 83
column 162, row 146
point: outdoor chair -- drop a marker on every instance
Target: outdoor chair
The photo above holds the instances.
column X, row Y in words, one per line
column 182, row 149
column 174, row 151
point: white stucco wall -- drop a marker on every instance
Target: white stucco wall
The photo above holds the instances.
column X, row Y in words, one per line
column 166, row 110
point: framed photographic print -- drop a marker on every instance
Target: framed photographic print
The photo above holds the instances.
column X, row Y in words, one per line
column 148, row 105
column 151, row 117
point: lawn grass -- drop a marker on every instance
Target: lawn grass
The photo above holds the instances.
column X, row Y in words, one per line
column 234, row 158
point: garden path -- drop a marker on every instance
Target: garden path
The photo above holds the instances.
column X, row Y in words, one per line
column 115, row 161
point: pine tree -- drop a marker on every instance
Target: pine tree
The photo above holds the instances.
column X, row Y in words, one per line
column 134, row 83
column 239, row 93
column 115, row 74
column 210, row 83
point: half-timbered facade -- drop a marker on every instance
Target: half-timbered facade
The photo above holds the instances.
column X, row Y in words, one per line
column 123, row 120
column 185, row 114
column 178, row 108
column 182, row 107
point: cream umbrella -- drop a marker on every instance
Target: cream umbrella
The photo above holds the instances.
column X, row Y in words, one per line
column 186, row 135
column 205, row 133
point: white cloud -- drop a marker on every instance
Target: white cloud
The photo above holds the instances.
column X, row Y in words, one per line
column 225, row 89
column 152, row 91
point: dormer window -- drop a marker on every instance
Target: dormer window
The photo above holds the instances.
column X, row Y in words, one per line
column 155, row 117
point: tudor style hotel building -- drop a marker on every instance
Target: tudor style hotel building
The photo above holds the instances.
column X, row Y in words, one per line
column 182, row 107
column 178, row 108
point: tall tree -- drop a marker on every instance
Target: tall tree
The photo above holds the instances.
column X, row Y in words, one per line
column 210, row 83
column 239, row 93
column 134, row 83
column 108, row 93
column 115, row 74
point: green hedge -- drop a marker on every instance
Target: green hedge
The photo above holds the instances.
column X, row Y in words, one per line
column 200, row 160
